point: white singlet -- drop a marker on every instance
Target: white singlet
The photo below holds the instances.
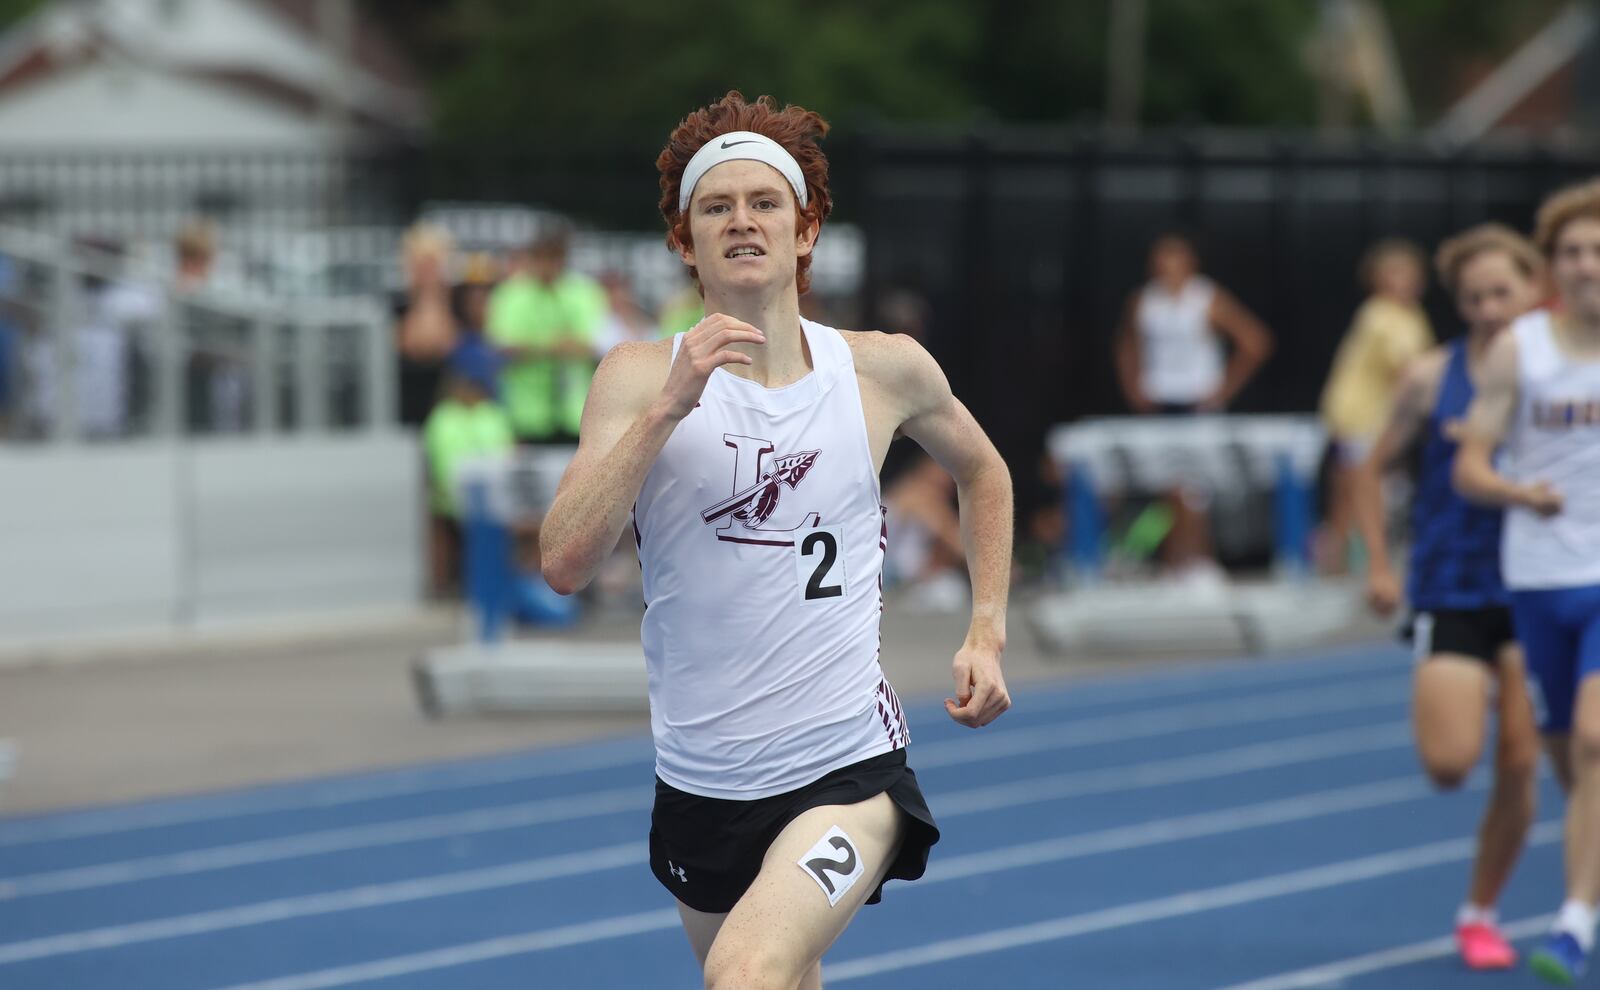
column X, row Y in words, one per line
column 761, row 536
column 1554, row 437
column 1181, row 358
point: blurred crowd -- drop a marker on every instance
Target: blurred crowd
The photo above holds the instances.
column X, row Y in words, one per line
column 108, row 311
column 495, row 351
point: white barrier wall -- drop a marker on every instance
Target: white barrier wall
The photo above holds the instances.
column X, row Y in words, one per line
column 97, row 539
column 88, row 539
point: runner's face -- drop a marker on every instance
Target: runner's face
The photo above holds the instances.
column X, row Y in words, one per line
column 745, row 227
column 1491, row 291
column 1575, row 265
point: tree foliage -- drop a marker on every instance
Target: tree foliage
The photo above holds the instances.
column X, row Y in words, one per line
column 522, row 72
column 586, row 69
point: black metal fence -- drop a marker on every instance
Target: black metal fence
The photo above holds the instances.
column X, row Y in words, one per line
column 1026, row 245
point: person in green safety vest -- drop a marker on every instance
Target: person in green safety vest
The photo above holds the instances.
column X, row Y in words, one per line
column 465, row 425
column 681, row 311
column 546, row 322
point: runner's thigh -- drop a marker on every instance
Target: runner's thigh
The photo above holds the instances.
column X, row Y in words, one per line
column 788, row 918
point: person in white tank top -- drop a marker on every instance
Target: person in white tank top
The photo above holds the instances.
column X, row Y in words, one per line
column 743, row 456
column 1171, row 361
column 1540, row 398
column 1170, row 346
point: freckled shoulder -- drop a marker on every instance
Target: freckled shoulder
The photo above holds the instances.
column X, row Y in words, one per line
column 888, row 360
column 899, row 380
column 633, row 373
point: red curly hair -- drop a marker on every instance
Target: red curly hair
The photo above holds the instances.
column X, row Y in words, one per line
column 795, row 128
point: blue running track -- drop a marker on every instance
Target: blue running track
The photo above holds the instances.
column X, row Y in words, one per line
column 1255, row 825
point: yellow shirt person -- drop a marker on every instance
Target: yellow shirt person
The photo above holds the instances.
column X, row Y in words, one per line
column 1386, row 336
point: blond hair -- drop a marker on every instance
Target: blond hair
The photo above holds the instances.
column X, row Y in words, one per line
column 424, row 238
column 1561, row 208
column 1455, row 252
column 196, row 239
column 1390, row 247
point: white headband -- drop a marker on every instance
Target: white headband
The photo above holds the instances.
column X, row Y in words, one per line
column 740, row 146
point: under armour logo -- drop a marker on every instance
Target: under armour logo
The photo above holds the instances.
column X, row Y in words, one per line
column 678, row 871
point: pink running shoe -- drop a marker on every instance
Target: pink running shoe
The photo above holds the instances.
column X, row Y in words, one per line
column 1483, row 947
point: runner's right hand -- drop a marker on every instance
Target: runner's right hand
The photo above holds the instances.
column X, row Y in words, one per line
column 1543, row 499
column 704, row 349
column 1383, row 591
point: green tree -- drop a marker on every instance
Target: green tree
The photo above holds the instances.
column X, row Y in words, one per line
column 523, row 72
column 12, row 11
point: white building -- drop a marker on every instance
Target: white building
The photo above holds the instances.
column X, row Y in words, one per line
column 122, row 117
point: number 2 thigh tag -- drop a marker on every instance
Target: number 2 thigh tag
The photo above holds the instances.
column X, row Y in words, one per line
column 819, row 562
column 834, row 864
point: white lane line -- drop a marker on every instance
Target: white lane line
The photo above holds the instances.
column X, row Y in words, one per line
column 351, row 899
column 1115, row 839
column 1185, row 769
column 1123, row 837
column 553, row 810
column 1175, row 906
column 1196, row 679
column 1335, row 973
column 460, row 955
column 1141, row 912
column 330, row 794
column 610, row 755
column 333, row 840
column 1157, row 722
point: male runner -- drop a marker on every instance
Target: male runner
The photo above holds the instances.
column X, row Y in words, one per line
column 746, row 452
column 1461, row 628
column 1540, row 397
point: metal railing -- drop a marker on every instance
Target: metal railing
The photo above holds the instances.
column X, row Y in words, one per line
column 99, row 347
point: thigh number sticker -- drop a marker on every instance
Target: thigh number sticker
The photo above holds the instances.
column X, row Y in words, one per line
column 834, row 864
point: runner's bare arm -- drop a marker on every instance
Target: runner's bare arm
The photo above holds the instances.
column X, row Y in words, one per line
column 933, row 417
column 1488, row 422
column 1411, row 404
column 634, row 404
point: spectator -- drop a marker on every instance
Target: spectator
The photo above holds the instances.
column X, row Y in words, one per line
column 473, row 355
column 682, row 310
column 1169, row 349
column 425, row 325
column 196, row 249
column 217, row 375
column 10, row 374
column 1389, row 331
column 625, row 319
column 546, row 321
column 925, row 555
column 1171, row 361
column 465, row 425
column 106, row 309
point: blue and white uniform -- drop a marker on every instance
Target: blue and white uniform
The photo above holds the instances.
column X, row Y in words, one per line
column 1552, row 566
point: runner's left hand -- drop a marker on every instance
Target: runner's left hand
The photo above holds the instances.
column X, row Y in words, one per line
column 981, row 695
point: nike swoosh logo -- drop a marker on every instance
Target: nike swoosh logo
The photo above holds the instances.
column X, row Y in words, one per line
column 731, row 144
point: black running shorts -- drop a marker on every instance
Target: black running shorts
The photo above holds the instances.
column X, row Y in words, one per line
column 707, row 851
column 1480, row 633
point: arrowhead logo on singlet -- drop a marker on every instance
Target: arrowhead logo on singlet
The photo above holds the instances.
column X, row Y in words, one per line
column 758, row 485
